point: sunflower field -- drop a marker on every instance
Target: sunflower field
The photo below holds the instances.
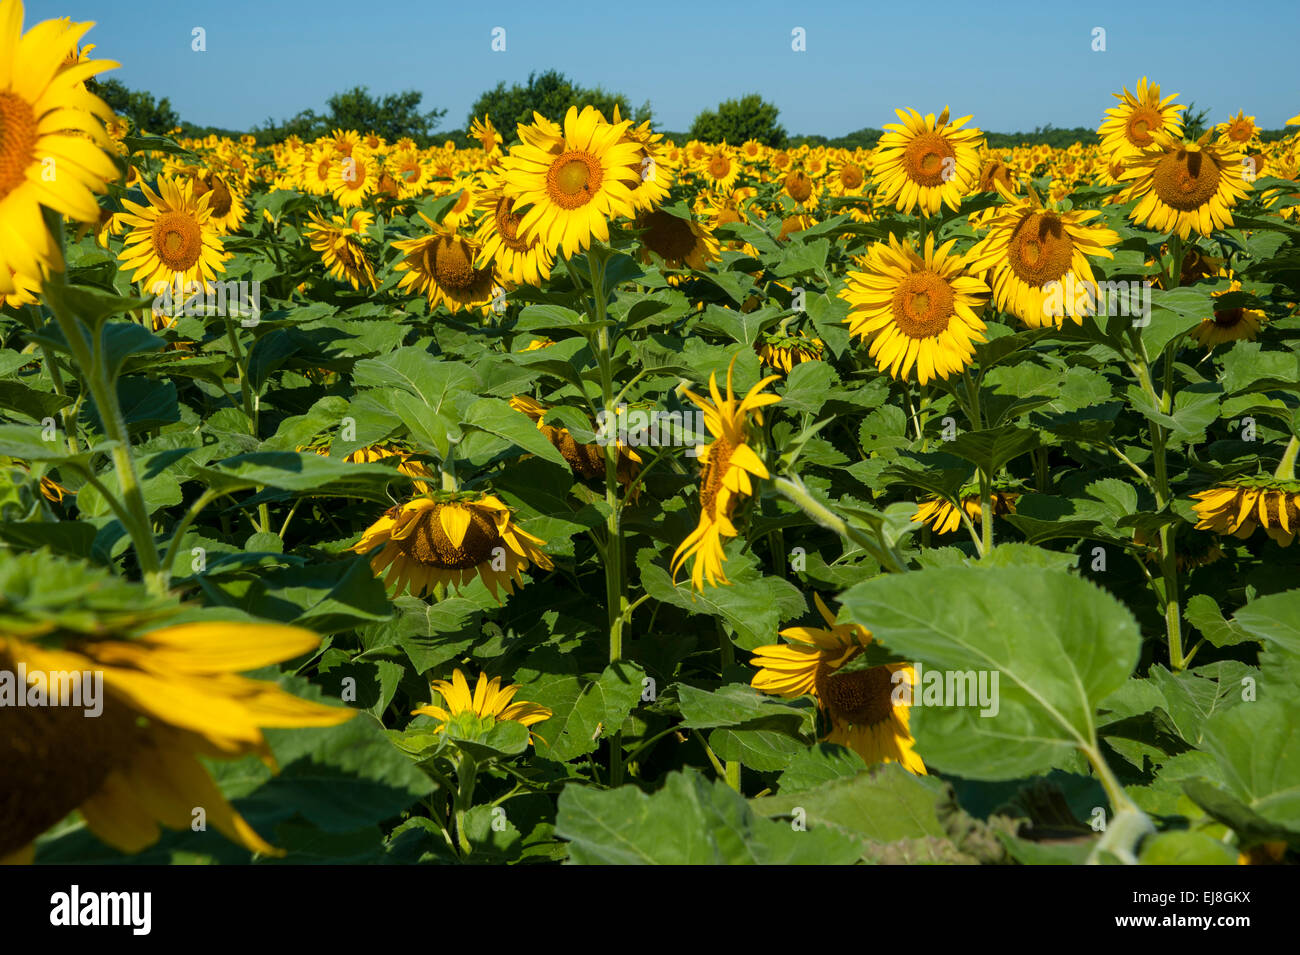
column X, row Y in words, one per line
column 589, row 497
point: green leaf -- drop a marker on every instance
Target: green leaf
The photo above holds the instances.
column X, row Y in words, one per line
column 690, row 821
column 883, row 804
column 1057, row 644
column 1185, row 847
column 497, row 417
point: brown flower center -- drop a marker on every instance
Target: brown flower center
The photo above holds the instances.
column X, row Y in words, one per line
column 573, row 179
column 1229, row 318
column 1040, row 250
column 923, row 159
column 429, row 544
column 923, row 304
column 218, row 193
column 861, row 698
column 719, row 166
column 508, row 225
column 18, row 137
column 667, row 235
column 994, row 170
column 712, row 473
column 177, row 240
column 851, row 176
column 1186, row 179
column 453, row 263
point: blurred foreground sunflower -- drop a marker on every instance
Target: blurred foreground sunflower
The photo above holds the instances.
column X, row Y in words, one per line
column 170, row 696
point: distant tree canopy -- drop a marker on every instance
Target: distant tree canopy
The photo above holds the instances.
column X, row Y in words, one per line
column 137, row 106
column 393, row 117
column 551, row 94
column 740, row 120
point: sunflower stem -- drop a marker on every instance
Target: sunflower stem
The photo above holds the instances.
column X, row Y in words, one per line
column 1286, row 467
column 91, row 359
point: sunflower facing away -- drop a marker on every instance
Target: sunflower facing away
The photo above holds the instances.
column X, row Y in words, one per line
column 586, row 460
column 927, row 162
column 1185, row 187
column 451, row 538
column 489, row 702
column 170, row 696
column 1139, row 118
column 781, row 352
column 1240, row 507
column 172, row 239
column 52, row 145
column 917, row 310
column 1029, row 248
column 571, row 195
column 859, row 704
column 940, row 514
column 727, row 464
column 681, row 243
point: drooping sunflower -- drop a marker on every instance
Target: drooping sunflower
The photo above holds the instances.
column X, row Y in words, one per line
column 1184, row 186
column 172, row 239
column 727, row 464
column 441, row 267
column 1241, row 506
column 1139, row 118
column 586, row 460
column 782, row 352
column 679, row 242
column 170, row 696
column 927, row 162
column 53, row 148
column 450, row 538
column 518, row 260
column 572, row 195
column 859, row 705
column 489, row 702
column 1035, row 258
column 917, row 310
column 489, row 139
column 340, row 248
column 939, row 513
column 1229, row 324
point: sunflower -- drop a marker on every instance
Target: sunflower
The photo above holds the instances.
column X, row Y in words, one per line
column 572, row 195
column 53, row 149
column 486, row 134
column 654, row 170
column 917, row 310
column 940, row 514
column 586, row 460
column 441, row 267
column 317, row 167
column 782, row 352
column 1184, row 186
column 339, row 245
column 408, row 171
column 679, row 242
column 518, row 261
column 490, row 702
column 451, row 538
column 859, row 704
column 1240, row 507
column 172, row 240
column 353, row 177
column 800, row 187
column 1240, row 130
column 927, row 162
column 726, row 466
column 225, row 203
column 719, row 170
column 170, row 696
column 1032, row 251
column 1229, row 324
column 1138, row 120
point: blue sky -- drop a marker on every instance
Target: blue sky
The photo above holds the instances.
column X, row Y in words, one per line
column 1014, row 65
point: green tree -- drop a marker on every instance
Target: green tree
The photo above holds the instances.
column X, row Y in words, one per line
column 394, row 116
column 551, row 94
column 736, row 121
column 137, row 106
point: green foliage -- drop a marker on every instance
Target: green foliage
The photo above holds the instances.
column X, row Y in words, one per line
column 550, row 93
column 146, row 114
column 736, row 121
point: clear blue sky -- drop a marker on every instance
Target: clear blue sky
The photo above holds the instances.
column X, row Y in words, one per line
column 1014, row 65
